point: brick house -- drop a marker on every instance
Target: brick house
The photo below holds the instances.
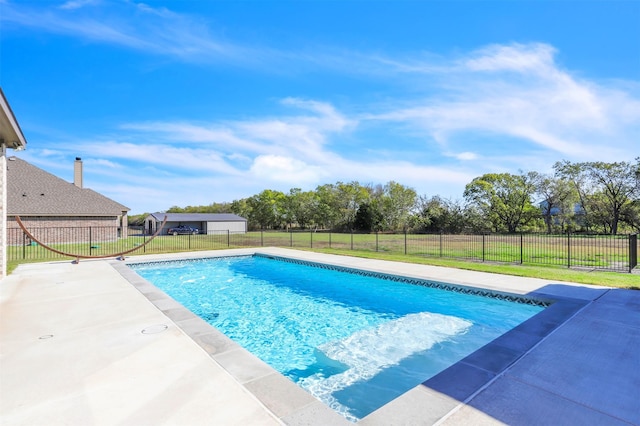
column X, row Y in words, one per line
column 46, row 202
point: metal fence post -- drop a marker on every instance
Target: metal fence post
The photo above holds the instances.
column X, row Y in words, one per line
column 376, row 240
column 521, row 257
column 261, row 238
column 90, row 242
column 352, row 239
column 405, row 241
column 329, row 239
column 568, row 250
column 483, row 248
column 440, row 244
column 633, row 251
column 228, row 238
column 311, row 238
column 290, row 237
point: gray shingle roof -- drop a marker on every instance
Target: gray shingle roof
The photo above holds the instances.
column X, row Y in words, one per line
column 198, row 217
column 32, row 191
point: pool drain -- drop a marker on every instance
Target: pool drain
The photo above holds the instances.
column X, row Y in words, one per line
column 159, row 328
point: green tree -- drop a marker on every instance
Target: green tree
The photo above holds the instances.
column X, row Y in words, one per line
column 375, row 207
column 631, row 215
column 336, row 205
column 298, row 207
column 351, row 196
column 137, row 219
column 367, row 218
column 397, row 204
column 504, row 199
column 556, row 198
column 439, row 215
column 574, row 173
column 240, row 207
column 265, row 209
column 326, row 213
column 475, row 220
column 603, row 186
column 211, row 208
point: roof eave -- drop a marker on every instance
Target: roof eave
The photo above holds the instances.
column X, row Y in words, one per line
column 10, row 134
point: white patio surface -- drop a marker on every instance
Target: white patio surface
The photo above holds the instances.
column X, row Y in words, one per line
column 93, row 344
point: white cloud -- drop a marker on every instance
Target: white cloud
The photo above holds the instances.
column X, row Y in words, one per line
column 182, row 159
column 327, row 117
column 76, row 4
column 135, row 26
column 219, row 135
column 275, row 168
column 301, row 135
column 536, row 58
column 463, row 156
column 518, row 92
column 101, row 163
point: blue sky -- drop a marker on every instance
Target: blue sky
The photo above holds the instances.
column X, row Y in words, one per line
column 193, row 102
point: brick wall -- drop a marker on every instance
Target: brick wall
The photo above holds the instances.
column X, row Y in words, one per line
column 53, row 230
column 3, row 203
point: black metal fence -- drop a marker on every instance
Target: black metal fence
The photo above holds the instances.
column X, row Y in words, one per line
column 606, row 252
column 633, row 251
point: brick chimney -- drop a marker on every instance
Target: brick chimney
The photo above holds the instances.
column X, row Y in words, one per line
column 77, row 172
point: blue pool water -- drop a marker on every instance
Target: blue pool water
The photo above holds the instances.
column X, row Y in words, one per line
column 354, row 341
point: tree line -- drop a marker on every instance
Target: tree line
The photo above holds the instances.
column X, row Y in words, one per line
column 578, row 197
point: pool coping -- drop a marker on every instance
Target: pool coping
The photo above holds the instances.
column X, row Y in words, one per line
column 428, row 403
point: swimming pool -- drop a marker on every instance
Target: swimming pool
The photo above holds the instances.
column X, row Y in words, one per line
column 354, row 339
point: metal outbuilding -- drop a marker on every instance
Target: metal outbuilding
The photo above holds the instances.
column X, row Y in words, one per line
column 206, row 223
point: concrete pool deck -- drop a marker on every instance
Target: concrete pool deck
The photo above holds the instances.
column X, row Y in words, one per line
column 94, row 344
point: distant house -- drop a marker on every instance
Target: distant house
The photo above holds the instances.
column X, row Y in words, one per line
column 207, row 223
column 578, row 213
column 43, row 200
